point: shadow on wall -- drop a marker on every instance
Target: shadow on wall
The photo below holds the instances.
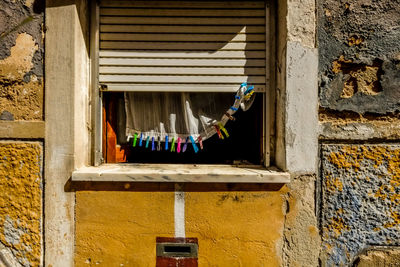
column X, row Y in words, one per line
column 168, row 187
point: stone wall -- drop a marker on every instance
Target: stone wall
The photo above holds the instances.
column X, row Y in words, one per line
column 359, row 76
column 21, row 132
column 348, row 213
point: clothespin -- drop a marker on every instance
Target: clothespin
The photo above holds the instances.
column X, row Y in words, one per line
column 223, row 129
column 147, row 141
column 230, row 116
column 134, row 139
column 178, row 149
column 128, row 138
column 173, row 145
column 246, row 97
column 152, row 144
column 195, row 148
column 200, row 140
column 141, row 139
column 185, row 145
column 251, row 88
column 166, row 143
column 159, row 143
column 218, row 132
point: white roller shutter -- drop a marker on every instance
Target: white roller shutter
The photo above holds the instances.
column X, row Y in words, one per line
column 182, row 45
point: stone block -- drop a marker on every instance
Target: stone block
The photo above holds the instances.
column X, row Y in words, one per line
column 21, row 203
column 359, row 55
column 360, row 199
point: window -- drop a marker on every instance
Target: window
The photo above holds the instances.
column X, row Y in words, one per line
column 169, row 50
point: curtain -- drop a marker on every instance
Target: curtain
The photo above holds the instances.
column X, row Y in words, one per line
column 169, row 115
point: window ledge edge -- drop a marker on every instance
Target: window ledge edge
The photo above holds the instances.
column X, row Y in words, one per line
column 180, row 173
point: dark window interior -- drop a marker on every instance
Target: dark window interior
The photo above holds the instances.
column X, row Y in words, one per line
column 243, row 146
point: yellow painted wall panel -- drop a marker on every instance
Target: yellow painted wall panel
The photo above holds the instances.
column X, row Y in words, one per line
column 120, row 228
column 236, row 228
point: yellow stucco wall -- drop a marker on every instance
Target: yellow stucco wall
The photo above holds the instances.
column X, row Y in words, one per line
column 21, row 201
column 114, row 228
column 234, row 228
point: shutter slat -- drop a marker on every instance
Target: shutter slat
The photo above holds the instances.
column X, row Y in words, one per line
column 182, row 55
column 183, row 62
column 180, row 70
column 182, row 37
column 183, row 4
column 182, row 29
column 183, row 12
column 180, row 79
column 129, row 87
column 187, row 46
column 181, row 20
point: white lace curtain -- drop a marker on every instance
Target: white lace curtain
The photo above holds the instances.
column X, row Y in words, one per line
column 166, row 117
column 158, row 114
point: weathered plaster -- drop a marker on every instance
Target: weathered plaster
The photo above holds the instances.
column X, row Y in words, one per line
column 301, row 234
column 360, row 200
column 376, row 130
column 301, row 22
column 359, row 55
column 296, row 90
column 301, row 109
column 66, row 138
column 21, row 97
column 379, row 257
column 22, row 17
column 21, row 201
column 22, row 129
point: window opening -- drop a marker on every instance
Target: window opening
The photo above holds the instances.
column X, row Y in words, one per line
column 175, row 49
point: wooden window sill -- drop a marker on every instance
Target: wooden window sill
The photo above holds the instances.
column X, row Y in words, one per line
column 180, row 173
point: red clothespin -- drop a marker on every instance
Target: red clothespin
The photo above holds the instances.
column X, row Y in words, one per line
column 218, row 132
column 200, row 140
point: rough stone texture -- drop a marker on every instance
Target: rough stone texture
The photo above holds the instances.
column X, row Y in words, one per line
column 301, row 22
column 21, row 58
column 301, row 235
column 359, row 55
column 354, row 126
column 379, row 257
column 21, row 203
column 360, row 199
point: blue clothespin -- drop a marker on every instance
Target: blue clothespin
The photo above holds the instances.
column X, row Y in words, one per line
column 195, row 148
column 251, row 88
column 141, row 139
column 166, row 143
